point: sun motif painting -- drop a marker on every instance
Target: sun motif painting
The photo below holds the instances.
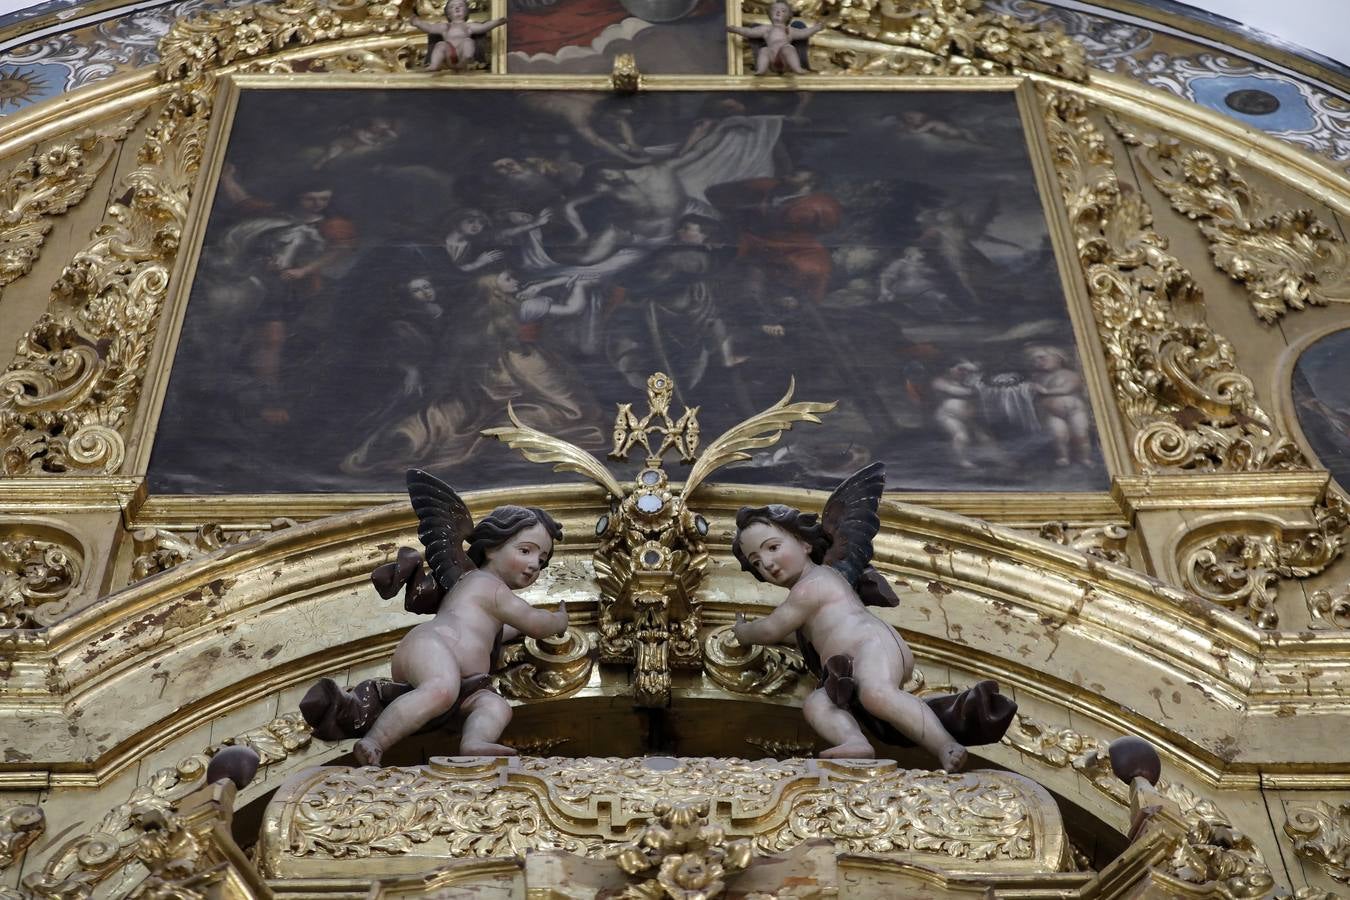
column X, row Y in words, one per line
column 413, row 264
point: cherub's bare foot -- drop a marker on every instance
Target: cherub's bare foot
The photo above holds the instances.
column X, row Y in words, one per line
column 850, row 750
column 952, row 759
column 485, row 748
column 367, row 752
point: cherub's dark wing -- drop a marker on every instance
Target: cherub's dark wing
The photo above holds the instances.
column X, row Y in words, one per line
column 850, row 520
column 443, row 524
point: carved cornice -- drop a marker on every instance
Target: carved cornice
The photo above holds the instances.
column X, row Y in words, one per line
column 158, row 549
column 1177, row 384
column 1321, row 834
column 1285, row 258
column 1105, row 542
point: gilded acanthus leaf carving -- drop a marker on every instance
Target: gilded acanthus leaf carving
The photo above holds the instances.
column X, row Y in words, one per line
column 36, row 577
column 678, row 855
column 20, row 826
column 1285, row 258
column 1175, row 379
column 1321, row 833
column 158, row 550
column 1104, row 542
column 955, row 37
column 1240, row 568
column 1327, row 610
column 476, row 807
column 46, row 185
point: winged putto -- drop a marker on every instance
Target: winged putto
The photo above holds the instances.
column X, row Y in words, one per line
column 440, row 668
column 825, row 562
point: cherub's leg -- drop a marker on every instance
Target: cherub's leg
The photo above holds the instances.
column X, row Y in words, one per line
column 1059, row 430
column 788, row 56
column 488, row 717
column 1081, row 428
column 836, row 726
column 916, row 720
column 762, row 61
column 423, row 661
column 439, row 56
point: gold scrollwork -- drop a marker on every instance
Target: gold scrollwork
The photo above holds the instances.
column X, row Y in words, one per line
column 46, row 185
column 20, row 826
column 1285, row 258
column 79, row 865
column 1327, row 610
column 1321, row 833
column 956, row 37
column 750, row 670
column 502, row 807
column 1212, row 851
column 1106, row 542
column 1176, row 383
column 36, row 578
column 545, row 667
column 158, row 550
column 1240, row 568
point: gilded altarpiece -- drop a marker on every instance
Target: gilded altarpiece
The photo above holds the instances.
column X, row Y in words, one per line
column 1180, row 579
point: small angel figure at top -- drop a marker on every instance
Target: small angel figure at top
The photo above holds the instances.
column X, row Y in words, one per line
column 455, row 48
column 824, row 561
column 778, row 36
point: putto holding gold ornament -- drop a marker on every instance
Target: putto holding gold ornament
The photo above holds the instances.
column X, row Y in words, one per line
column 825, row 562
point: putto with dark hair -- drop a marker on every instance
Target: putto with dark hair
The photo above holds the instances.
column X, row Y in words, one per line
column 504, row 523
column 792, row 520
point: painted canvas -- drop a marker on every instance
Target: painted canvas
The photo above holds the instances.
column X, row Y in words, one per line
column 1322, row 402
column 383, row 271
column 582, row 37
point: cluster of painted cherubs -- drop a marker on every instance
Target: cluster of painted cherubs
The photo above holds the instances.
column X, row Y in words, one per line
column 453, row 44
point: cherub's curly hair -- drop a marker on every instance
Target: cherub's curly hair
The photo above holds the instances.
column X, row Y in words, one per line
column 792, row 520
column 504, row 523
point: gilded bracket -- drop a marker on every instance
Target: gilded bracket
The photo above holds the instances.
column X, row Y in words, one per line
column 39, row 570
column 1321, row 834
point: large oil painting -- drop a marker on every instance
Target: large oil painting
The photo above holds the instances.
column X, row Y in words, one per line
column 1321, row 397
column 382, row 271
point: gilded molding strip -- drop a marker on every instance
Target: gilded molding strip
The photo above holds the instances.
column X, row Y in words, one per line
column 1105, row 542
column 1177, row 384
column 36, row 576
column 1321, row 834
column 1285, row 258
column 46, row 185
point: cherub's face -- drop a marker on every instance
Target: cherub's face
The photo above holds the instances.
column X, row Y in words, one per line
column 780, row 13
column 1043, row 360
column 519, row 561
column 315, row 202
column 456, row 10
column 472, row 225
column 421, row 290
column 507, row 282
column 778, row 557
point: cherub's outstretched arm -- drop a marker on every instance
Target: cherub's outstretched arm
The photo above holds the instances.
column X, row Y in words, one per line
column 801, row 34
column 428, row 27
column 757, row 31
column 790, row 615
column 535, row 623
column 485, row 27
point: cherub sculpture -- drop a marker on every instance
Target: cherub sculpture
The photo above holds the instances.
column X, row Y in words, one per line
column 824, row 561
column 441, row 667
column 779, row 36
column 452, row 41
